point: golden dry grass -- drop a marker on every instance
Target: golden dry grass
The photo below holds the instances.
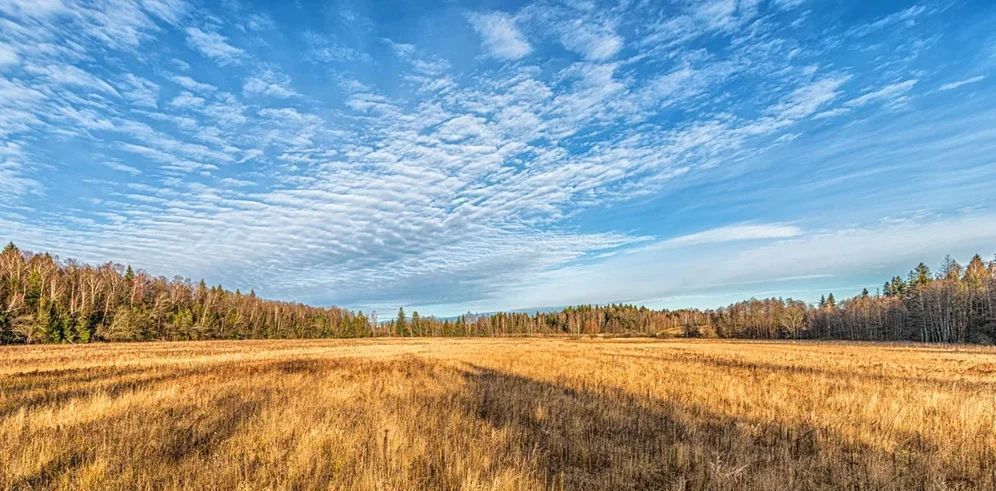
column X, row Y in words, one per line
column 497, row 414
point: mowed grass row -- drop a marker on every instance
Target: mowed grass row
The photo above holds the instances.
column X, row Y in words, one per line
column 497, row 414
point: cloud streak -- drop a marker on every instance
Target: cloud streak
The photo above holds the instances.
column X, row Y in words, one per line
column 733, row 233
column 213, row 45
column 961, row 83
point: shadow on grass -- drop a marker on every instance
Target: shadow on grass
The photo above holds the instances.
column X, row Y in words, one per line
column 569, row 437
column 609, row 439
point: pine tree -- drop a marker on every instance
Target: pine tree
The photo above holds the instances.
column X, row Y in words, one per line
column 920, row 276
column 49, row 321
column 84, row 327
column 7, row 334
column 362, row 325
column 401, row 324
column 898, row 286
column 416, row 324
column 831, row 302
column 70, row 329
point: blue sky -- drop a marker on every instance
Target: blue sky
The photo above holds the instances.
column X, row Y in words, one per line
column 454, row 156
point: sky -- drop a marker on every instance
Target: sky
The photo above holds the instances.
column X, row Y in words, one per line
column 451, row 156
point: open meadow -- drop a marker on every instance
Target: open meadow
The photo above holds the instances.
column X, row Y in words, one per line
column 509, row 413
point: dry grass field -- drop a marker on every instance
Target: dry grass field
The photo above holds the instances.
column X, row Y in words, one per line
column 497, row 414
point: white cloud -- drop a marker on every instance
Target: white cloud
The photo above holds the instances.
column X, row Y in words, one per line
column 118, row 166
column 70, row 75
column 8, row 56
column 14, row 180
column 733, row 233
column 960, row 83
column 186, row 100
column 808, row 99
column 213, row 45
column 193, row 85
column 591, row 41
column 502, row 39
column 663, row 270
column 268, row 83
column 890, row 93
column 139, row 91
column 906, row 17
column 32, row 8
column 718, row 13
column 788, row 4
column 171, row 11
column 725, row 14
column 325, row 51
column 14, row 184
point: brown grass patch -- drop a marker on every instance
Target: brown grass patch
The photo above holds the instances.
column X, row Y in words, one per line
column 497, row 414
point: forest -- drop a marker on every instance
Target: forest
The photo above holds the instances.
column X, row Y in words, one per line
column 46, row 300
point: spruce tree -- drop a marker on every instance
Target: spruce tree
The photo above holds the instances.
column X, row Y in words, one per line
column 416, row 324
column 920, row 276
column 6, row 332
column 49, row 322
column 84, row 327
column 401, row 324
column 898, row 286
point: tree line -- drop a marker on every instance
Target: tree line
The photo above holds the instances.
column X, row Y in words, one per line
column 44, row 300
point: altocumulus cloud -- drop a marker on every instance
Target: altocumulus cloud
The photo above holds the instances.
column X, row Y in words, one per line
column 501, row 37
column 539, row 161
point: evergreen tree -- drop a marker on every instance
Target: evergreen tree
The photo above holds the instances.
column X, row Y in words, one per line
column 831, row 302
column 70, row 329
column 362, row 326
column 920, row 276
column 401, row 324
column 416, row 324
column 7, row 334
column 48, row 321
column 84, row 327
column 898, row 286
